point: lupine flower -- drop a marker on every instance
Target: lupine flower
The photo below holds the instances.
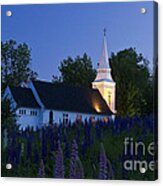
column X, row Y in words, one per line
column 79, row 170
column 18, row 153
column 103, row 174
column 22, row 148
column 36, row 155
column 44, row 145
column 5, row 141
column 59, row 164
column 77, row 134
column 29, row 148
column 66, row 150
column 98, row 130
column 76, row 167
column 74, row 157
column 41, row 172
column 83, row 147
column 110, row 170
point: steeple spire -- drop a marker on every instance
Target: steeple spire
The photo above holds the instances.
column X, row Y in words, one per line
column 104, row 31
column 104, row 61
column 104, row 70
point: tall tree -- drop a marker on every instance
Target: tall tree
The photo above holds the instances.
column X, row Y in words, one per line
column 15, row 63
column 8, row 116
column 76, row 72
column 133, row 83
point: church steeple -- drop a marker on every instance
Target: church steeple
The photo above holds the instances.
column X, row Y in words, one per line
column 103, row 81
column 104, row 70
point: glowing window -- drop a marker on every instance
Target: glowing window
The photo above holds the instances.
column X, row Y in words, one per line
column 109, row 98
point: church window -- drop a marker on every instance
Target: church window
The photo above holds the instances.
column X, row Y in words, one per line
column 33, row 113
column 65, row 118
column 22, row 111
column 105, row 120
column 109, row 98
column 91, row 118
column 79, row 118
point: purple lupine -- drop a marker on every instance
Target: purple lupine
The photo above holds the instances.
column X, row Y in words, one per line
column 44, row 145
column 84, row 147
column 79, row 170
column 74, row 158
column 36, row 155
column 76, row 167
column 110, row 170
column 77, row 134
column 41, row 172
column 59, row 163
column 98, row 130
column 18, row 153
column 5, row 141
column 29, row 148
column 87, row 133
column 103, row 174
column 66, row 151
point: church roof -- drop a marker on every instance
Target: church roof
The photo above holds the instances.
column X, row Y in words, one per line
column 24, row 97
column 104, row 59
column 73, row 99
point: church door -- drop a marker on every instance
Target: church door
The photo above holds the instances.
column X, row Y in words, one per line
column 51, row 117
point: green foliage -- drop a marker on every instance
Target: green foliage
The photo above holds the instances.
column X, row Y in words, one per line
column 76, row 72
column 133, row 83
column 8, row 116
column 15, row 63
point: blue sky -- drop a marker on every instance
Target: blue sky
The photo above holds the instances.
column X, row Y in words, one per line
column 56, row 31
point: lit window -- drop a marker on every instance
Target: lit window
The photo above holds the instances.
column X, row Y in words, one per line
column 92, row 118
column 109, row 98
column 105, row 120
column 79, row 118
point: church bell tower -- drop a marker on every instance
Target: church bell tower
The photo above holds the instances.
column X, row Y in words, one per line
column 103, row 81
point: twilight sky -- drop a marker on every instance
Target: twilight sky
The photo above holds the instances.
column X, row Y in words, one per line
column 56, row 31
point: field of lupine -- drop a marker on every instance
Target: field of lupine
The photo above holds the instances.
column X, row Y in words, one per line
column 86, row 150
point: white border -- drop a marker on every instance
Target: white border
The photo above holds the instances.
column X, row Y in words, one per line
column 53, row 182
column 61, row 1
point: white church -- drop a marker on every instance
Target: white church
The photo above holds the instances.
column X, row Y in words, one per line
column 41, row 103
